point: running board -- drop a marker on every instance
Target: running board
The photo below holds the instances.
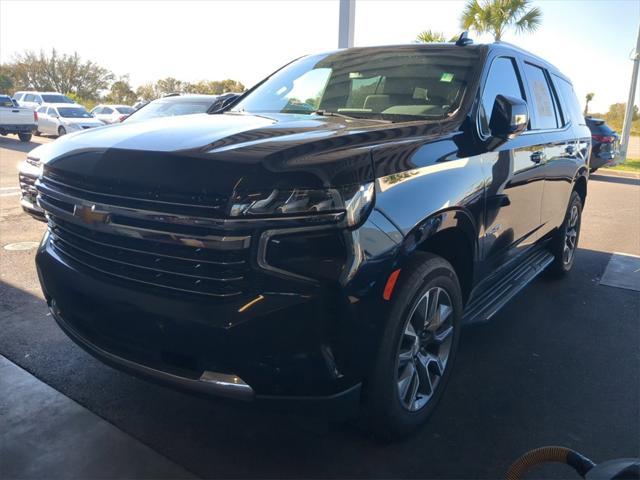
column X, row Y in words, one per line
column 489, row 302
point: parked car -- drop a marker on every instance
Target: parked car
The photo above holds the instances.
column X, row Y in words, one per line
column 605, row 143
column 15, row 119
column 34, row 100
column 320, row 257
column 60, row 119
column 112, row 113
column 173, row 105
column 29, row 170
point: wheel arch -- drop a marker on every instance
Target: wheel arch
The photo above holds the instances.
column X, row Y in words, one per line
column 452, row 235
column 580, row 185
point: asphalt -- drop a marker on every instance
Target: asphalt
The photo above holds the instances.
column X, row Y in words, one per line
column 559, row 365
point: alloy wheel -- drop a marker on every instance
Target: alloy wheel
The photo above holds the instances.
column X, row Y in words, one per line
column 571, row 235
column 424, row 348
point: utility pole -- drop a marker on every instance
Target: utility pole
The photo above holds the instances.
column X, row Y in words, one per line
column 628, row 116
column 346, row 23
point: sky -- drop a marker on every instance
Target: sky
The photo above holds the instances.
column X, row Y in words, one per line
column 589, row 40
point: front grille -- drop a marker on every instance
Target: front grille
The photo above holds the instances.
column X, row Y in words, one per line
column 28, row 188
column 146, row 247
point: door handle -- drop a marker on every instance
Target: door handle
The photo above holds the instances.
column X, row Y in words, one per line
column 537, row 156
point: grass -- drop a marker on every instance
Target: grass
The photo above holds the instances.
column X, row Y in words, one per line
column 631, row 165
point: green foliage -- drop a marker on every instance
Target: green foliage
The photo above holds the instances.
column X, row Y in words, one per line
column 615, row 118
column 121, row 92
column 430, row 36
column 496, row 16
column 588, row 99
column 89, row 83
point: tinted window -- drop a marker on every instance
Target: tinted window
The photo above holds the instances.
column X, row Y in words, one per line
column 125, row 110
column 571, row 110
column 502, row 80
column 542, row 98
column 107, row 111
column 56, row 99
column 397, row 84
column 6, row 102
column 70, row 112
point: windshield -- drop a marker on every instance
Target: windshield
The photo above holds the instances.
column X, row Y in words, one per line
column 169, row 109
column 56, row 99
column 66, row 112
column 125, row 110
column 396, row 84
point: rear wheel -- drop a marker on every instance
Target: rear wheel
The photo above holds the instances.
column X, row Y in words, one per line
column 62, row 131
column 37, row 133
column 565, row 242
column 417, row 349
column 24, row 137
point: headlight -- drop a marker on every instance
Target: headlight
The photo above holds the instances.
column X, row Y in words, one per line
column 33, row 160
column 354, row 201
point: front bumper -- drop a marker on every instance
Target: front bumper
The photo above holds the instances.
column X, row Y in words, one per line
column 282, row 352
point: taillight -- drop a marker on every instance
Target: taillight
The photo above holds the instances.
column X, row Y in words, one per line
column 603, row 138
column 122, row 117
column 35, row 116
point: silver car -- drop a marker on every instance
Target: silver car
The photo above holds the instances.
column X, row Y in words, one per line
column 59, row 119
column 112, row 113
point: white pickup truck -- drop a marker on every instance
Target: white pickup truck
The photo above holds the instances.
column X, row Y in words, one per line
column 15, row 119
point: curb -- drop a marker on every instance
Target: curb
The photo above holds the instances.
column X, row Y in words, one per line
column 616, row 173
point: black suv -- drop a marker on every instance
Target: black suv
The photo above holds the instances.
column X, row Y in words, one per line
column 604, row 143
column 323, row 240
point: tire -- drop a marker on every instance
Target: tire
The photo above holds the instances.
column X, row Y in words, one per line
column 564, row 243
column 593, row 170
column 24, row 137
column 37, row 133
column 386, row 412
column 62, row 131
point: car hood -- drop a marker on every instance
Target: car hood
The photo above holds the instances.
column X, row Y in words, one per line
column 206, row 154
column 80, row 121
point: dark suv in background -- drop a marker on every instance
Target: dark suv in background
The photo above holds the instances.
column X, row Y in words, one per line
column 605, row 143
column 323, row 240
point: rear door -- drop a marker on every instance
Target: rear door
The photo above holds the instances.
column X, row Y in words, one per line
column 516, row 176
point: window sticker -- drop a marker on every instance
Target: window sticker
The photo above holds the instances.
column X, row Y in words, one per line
column 446, row 77
column 543, row 101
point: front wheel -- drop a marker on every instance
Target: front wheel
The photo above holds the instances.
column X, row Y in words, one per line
column 565, row 241
column 62, row 131
column 24, row 137
column 37, row 133
column 417, row 350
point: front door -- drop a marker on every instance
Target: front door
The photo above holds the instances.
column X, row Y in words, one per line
column 515, row 175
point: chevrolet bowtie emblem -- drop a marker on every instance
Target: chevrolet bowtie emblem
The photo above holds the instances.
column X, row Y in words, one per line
column 90, row 214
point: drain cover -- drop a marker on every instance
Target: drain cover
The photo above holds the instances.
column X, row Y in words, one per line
column 21, row 246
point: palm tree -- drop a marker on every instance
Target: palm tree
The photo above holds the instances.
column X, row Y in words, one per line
column 588, row 97
column 429, row 36
column 496, row 16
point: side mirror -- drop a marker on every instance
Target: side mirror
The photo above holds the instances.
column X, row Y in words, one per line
column 509, row 118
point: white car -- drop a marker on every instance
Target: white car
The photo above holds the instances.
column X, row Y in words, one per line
column 14, row 119
column 35, row 100
column 112, row 113
column 59, row 119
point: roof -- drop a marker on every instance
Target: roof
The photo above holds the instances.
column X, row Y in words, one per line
column 64, row 105
column 111, row 105
column 186, row 98
column 39, row 92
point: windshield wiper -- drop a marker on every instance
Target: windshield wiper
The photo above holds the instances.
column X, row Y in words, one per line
column 327, row 113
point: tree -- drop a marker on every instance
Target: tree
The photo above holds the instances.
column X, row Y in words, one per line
column 430, row 36
column 588, row 98
column 121, row 92
column 496, row 16
column 146, row 92
column 62, row 73
column 168, row 85
column 214, row 87
column 617, row 110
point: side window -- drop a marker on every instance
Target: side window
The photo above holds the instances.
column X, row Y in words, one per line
column 42, row 109
column 38, row 98
column 503, row 79
column 572, row 111
column 52, row 112
column 29, row 98
column 97, row 111
column 107, row 111
column 542, row 100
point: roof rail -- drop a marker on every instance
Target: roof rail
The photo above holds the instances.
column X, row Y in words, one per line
column 172, row 94
column 464, row 39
